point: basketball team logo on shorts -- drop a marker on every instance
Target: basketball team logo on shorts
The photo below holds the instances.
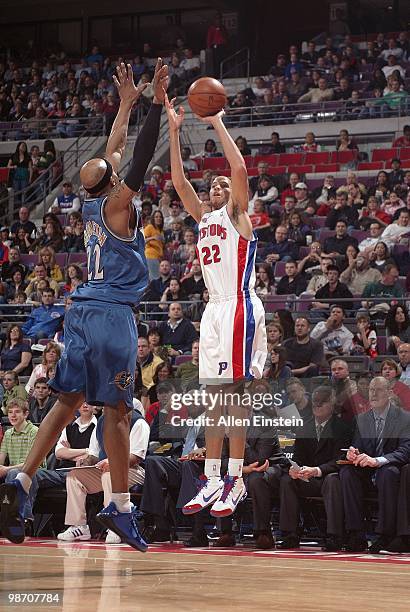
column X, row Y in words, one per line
column 123, row 380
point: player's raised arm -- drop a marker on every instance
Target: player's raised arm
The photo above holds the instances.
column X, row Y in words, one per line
column 146, row 142
column 186, row 192
column 239, row 174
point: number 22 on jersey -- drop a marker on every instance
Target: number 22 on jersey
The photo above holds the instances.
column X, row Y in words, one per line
column 93, row 262
column 211, row 254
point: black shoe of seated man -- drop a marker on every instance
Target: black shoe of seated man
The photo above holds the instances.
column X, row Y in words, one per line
column 153, row 534
column 400, row 544
column 226, row 540
column 291, row 540
column 197, row 540
column 333, row 544
column 265, row 541
column 356, row 543
column 382, row 543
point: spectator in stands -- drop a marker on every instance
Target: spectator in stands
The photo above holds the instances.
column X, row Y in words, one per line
column 346, row 142
column 296, row 87
column 15, row 285
column 392, row 204
column 310, row 145
column 263, row 170
column 320, row 279
column 303, row 352
column 172, row 293
column 336, row 246
column 317, row 447
column 398, row 231
column 14, row 263
column 372, row 215
column 395, row 97
column 192, row 285
column 148, row 362
column 73, row 278
column 292, row 283
column 74, row 241
column 404, row 359
column 266, row 192
column 191, row 65
column 298, row 229
column 243, row 146
column 282, row 249
column 177, row 77
column 81, row 482
column 40, row 273
column 341, row 211
column 238, row 113
column 157, row 286
column 293, row 66
column 289, row 189
column 365, row 339
column 22, row 241
column 217, row 40
column 403, row 141
column 320, row 94
column 331, row 293
column 310, row 264
column 15, row 447
column 380, row 256
column 322, row 194
column 196, row 309
column 52, row 237
column 396, row 176
column 371, row 448
column 335, row 337
column 12, row 390
column 400, row 392
column 264, row 280
column 278, row 70
column 187, row 162
column 189, row 370
column 46, row 256
column 388, row 287
column 303, row 202
column 154, row 243
column 15, row 354
column 397, row 325
column 41, row 402
column 67, row 201
column 51, row 355
column 44, row 321
column 393, row 66
column 275, row 146
column 177, row 332
column 381, row 187
column 21, row 164
column 358, row 273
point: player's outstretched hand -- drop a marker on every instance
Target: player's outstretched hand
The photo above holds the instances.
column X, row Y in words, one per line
column 213, row 119
column 160, row 82
column 124, row 82
column 175, row 118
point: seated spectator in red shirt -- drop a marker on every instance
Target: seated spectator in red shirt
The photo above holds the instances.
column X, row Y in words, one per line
column 290, row 187
column 259, row 219
column 391, row 371
column 403, row 141
column 310, row 145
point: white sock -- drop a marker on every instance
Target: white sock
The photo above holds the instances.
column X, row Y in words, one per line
column 213, row 468
column 235, row 467
column 122, row 501
column 24, row 480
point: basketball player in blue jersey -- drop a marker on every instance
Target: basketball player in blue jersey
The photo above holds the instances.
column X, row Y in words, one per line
column 233, row 338
column 99, row 359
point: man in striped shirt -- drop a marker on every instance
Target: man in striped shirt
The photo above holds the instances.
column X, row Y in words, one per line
column 16, row 445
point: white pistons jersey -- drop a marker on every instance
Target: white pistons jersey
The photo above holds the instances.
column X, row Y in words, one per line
column 233, row 337
column 227, row 259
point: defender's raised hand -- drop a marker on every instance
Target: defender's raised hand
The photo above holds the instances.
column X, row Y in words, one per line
column 175, row 118
column 160, row 82
column 124, row 81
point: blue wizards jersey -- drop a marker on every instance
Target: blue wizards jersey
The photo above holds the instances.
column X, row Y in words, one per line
column 117, row 268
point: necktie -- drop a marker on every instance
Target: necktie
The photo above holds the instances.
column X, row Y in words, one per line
column 379, row 436
column 319, row 429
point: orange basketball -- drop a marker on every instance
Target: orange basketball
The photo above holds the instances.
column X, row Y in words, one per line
column 206, row 97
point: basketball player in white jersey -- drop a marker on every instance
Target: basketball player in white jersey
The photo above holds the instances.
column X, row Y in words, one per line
column 233, row 339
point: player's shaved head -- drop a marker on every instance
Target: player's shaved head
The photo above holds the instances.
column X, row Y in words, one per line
column 93, row 172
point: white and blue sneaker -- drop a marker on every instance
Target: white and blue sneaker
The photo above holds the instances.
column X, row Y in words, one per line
column 209, row 490
column 233, row 492
column 124, row 524
column 12, row 501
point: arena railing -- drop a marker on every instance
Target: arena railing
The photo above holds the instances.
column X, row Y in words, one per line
column 310, row 112
column 236, row 65
column 51, row 128
column 66, row 162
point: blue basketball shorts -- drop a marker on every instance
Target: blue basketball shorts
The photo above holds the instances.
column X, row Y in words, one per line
column 100, row 353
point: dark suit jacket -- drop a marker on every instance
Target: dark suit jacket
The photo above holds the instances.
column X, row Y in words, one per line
column 396, row 435
column 325, row 452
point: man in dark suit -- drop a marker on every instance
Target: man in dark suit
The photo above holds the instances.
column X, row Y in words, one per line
column 380, row 448
column 314, row 473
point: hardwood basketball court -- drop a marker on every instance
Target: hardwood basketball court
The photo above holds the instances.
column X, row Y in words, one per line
column 92, row 576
